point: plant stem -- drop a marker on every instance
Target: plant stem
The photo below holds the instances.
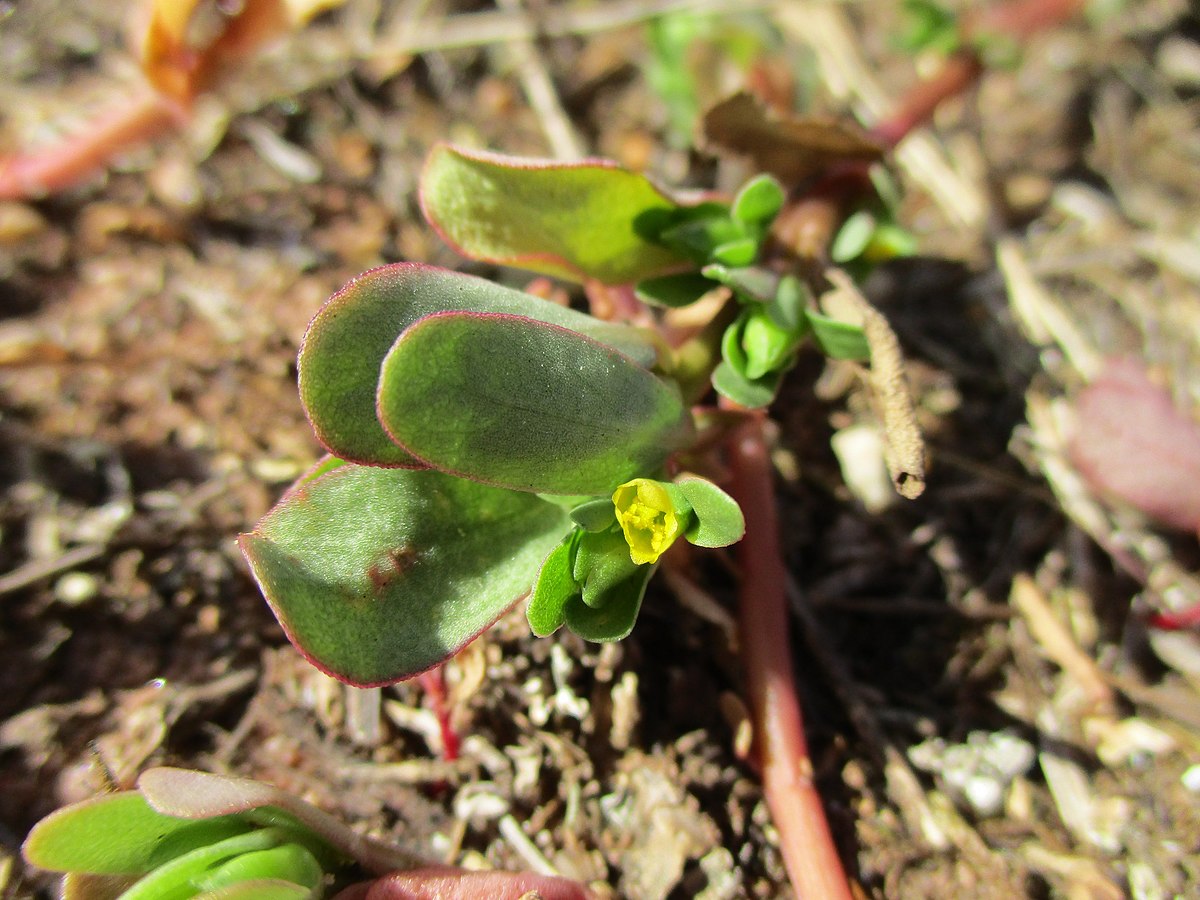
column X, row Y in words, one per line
column 35, row 174
column 807, row 224
column 811, row 858
column 1017, row 21
column 958, row 72
column 433, row 682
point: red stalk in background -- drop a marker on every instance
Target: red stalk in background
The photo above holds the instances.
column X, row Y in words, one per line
column 809, row 853
column 805, row 228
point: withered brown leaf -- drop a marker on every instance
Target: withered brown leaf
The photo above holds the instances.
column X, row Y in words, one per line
column 792, row 148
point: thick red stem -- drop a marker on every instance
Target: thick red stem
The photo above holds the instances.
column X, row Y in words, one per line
column 811, row 858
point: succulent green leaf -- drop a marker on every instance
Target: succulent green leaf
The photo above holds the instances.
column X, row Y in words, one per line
column 573, row 220
column 119, row 834
column 515, row 403
column 352, row 333
column 697, row 237
column 614, row 617
column 719, row 521
column 736, row 253
column 555, row 586
column 759, row 201
column 930, row 26
column 768, row 347
column 732, row 351
column 287, row 862
column 790, row 304
column 749, row 281
column 378, row 574
column 673, row 291
column 261, row 889
column 853, row 237
column 595, row 515
column 182, row 877
column 889, row 242
column 731, row 383
column 602, row 563
column 839, row 340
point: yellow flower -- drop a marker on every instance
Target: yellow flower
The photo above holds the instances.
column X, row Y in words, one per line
column 647, row 517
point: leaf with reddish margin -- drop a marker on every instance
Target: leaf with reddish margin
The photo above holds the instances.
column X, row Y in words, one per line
column 574, row 220
column 526, row 405
column 379, row 574
column 444, row 883
column 188, row 794
column 1131, row 442
column 347, row 340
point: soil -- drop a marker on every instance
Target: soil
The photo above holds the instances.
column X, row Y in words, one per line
column 990, row 714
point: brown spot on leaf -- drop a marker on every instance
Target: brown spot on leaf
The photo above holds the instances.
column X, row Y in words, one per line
column 392, row 565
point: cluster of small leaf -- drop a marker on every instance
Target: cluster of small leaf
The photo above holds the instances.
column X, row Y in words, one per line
column 929, row 26
column 484, row 442
column 871, row 235
column 777, row 314
column 117, row 845
column 594, row 580
column 934, row 27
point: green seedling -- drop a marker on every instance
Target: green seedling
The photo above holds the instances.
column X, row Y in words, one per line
column 186, row 835
column 485, row 444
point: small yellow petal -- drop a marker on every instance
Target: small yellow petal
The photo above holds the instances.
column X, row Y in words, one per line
column 648, row 519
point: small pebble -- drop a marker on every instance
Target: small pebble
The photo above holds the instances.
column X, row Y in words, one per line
column 18, row 222
column 75, row 588
column 1179, row 61
column 1191, row 778
column 282, row 155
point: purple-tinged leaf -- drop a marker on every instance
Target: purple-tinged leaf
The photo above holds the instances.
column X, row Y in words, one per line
column 379, row 574
column 352, row 333
column 574, row 220
column 526, row 405
column 444, row 883
column 1131, row 442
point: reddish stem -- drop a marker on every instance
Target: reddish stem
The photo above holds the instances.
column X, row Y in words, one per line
column 39, row 173
column 1177, row 620
column 957, row 74
column 811, row 858
column 1021, row 19
column 806, row 225
column 1017, row 21
column 433, row 682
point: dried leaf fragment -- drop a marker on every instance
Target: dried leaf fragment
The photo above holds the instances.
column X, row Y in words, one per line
column 186, row 41
column 791, row 148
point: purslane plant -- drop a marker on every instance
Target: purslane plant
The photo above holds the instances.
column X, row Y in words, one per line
column 486, row 444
